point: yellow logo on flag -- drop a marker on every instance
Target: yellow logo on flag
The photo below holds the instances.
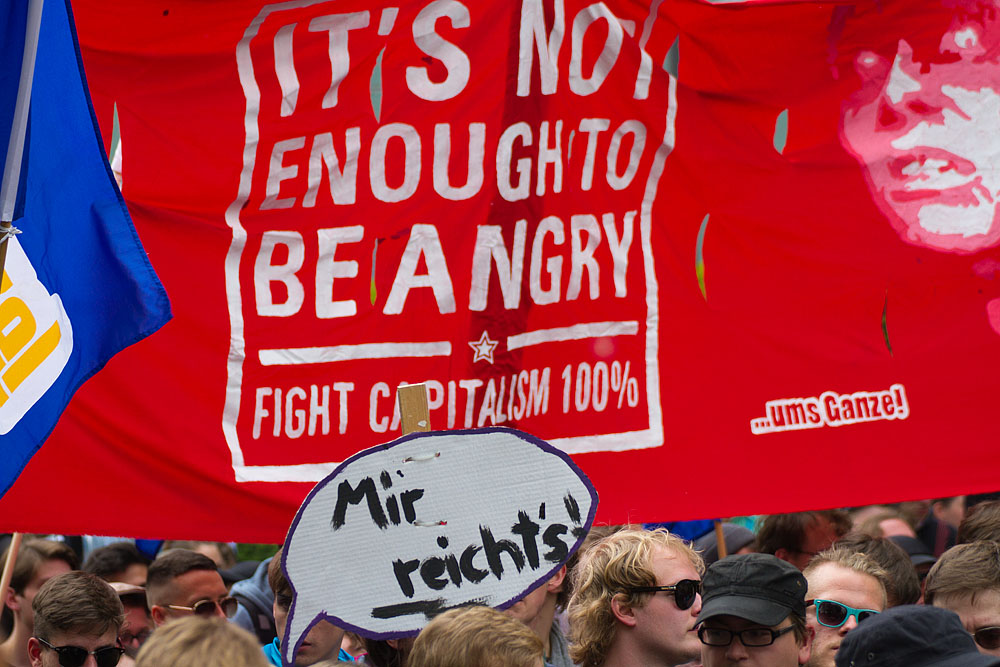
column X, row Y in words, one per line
column 36, row 338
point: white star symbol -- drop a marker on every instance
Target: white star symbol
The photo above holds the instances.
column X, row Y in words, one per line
column 483, row 348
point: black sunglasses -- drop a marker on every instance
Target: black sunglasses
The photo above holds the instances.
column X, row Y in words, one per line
column 75, row 656
column 988, row 638
column 685, row 591
column 228, row 605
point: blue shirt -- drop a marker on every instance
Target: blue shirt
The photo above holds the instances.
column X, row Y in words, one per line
column 272, row 652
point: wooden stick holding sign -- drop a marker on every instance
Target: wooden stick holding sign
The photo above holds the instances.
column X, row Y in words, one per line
column 8, row 566
column 720, row 537
column 414, row 414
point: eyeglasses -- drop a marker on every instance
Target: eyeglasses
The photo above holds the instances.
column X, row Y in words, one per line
column 988, row 638
column 753, row 637
column 834, row 614
column 685, row 591
column 75, row 656
column 133, row 642
column 228, row 605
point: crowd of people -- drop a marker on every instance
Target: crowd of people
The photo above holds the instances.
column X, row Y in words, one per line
column 912, row 585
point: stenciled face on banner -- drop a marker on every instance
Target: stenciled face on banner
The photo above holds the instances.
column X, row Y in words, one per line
column 923, row 122
column 446, row 192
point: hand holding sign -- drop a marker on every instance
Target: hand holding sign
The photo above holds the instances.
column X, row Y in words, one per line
column 431, row 521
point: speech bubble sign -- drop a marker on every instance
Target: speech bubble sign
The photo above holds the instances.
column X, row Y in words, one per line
column 430, row 521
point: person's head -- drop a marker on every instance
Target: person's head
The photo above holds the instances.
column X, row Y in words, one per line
column 206, row 642
column 538, row 607
column 220, row 552
column 739, row 540
column 845, row 588
column 77, row 619
column 981, row 523
column 138, row 623
column 949, row 511
column 926, row 94
column 478, row 636
column 181, row 583
column 902, row 584
column 624, row 599
column 911, row 636
column 798, row 536
column 120, row 561
column 966, row 580
column 887, row 523
column 322, row 642
column 920, row 554
column 754, row 613
column 388, row 652
column 37, row 562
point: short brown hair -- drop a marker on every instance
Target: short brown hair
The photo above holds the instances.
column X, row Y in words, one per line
column 77, row 602
column 788, row 531
column 171, row 565
column 981, row 523
column 965, row 569
column 277, row 580
column 902, row 586
column 607, row 570
column 30, row 557
column 206, row 642
column 849, row 560
column 478, row 636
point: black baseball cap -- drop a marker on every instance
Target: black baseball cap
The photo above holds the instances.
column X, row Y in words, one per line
column 917, row 551
column 760, row 588
column 912, row 636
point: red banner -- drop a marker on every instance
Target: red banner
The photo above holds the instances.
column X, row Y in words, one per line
column 705, row 287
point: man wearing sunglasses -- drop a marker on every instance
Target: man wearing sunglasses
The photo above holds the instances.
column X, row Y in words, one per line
column 635, row 601
column 845, row 588
column 966, row 580
column 754, row 614
column 183, row 583
column 77, row 620
column 912, row 636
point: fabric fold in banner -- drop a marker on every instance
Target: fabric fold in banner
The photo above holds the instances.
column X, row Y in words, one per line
column 77, row 286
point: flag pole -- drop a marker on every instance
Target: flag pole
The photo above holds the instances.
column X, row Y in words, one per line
column 15, row 147
column 8, row 566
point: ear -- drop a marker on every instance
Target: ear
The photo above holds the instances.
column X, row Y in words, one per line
column 805, row 651
column 555, row 584
column 159, row 615
column 782, row 553
column 34, row 652
column 622, row 610
column 11, row 600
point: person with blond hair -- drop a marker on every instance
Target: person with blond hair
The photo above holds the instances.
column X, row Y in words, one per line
column 478, row 636
column 845, row 587
column 202, row 641
column 636, row 599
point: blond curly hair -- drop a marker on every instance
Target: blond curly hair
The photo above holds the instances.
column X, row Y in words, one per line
column 608, row 569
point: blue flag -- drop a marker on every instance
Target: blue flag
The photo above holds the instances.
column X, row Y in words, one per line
column 77, row 286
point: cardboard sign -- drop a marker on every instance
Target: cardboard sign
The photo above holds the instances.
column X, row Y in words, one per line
column 431, row 521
